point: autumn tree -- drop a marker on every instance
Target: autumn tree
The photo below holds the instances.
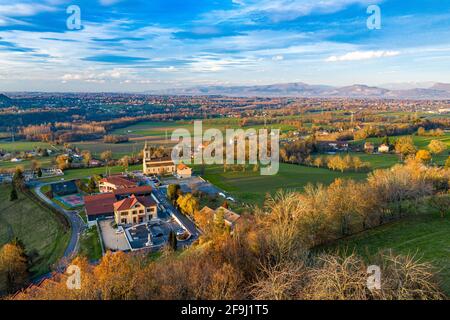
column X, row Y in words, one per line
column 18, row 178
column 447, row 163
column 405, row 146
column 92, row 185
column 173, row 191
column 188, row 204
column 62, row 162
column 106, row 155
column 423, row 156
column 13, row 266
column 437, row 147
column 87, row 157
column 125, row 162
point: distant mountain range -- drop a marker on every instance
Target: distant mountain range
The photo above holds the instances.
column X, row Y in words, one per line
column 5, row 102
column 299, row 89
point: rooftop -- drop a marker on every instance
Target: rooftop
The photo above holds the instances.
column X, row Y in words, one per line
column 120, row 181
column 99, row 204
column 129, row 203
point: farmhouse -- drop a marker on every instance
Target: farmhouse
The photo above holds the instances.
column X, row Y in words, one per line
column 384, row 148
column 135, row 210
column 110, row 184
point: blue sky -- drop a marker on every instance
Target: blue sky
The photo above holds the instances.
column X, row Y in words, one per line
column 138, row 45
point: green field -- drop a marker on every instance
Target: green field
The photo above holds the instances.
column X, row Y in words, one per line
column 26, row 164
column 73, row 174
column 427, row 236
column 39, row 229
column 419, row 141
column 163, row 129
column 90, row 244
column 251, row 187
column 158, row 133
column 20, row 146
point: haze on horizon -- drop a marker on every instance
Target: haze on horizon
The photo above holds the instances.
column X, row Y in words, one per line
column 139, row 45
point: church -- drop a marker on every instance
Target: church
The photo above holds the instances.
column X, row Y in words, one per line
column 157, row 166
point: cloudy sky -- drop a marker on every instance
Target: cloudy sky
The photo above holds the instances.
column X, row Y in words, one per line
column 138, row 45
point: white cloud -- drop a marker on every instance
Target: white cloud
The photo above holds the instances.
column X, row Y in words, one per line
column 363, row 55
column 278, row 58
column 281, row 10
column 108, row 2
column 23, row 9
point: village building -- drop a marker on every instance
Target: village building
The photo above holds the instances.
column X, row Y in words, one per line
column 157, row 166
column 112, row 183
column 384, row 148
column 183, row 171
column 135, row 210
column 369, row 147
column 101, row 206
column 229, row 216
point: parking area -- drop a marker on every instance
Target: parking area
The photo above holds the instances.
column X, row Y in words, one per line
column 153, row 234
column 193, row 183
column 111, row 239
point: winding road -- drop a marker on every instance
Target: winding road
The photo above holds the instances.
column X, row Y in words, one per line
column 77, row 225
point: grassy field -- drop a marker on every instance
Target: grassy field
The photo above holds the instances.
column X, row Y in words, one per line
column 38, row 228
column 72, row 174
column 20, row 146
column 427, row 236
column 158, row 133
column 26, row 164
column 251, row 187
column 90, row 244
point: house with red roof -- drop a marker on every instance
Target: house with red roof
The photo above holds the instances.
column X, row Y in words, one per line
column 112, row 183
column 135, row 210
column 99, row 206
column 183, row 171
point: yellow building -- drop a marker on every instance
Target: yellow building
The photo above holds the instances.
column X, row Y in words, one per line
column 157, row 166
column 135, row 210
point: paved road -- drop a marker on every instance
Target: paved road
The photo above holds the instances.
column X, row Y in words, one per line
column 77, row 225
column 190, row 226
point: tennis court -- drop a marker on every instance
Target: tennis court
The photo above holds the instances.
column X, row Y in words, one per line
column 72, row 200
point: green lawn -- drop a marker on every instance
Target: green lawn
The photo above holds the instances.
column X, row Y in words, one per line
column 420, row 142
column 428, row 236
column 26, row 164
column 90, row 244
column 251, row 187
column 72, row 174
column 377, row 161
column 19, row 146
column 38, row 228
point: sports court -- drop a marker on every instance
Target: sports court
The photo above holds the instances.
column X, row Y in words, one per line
column 72, row 200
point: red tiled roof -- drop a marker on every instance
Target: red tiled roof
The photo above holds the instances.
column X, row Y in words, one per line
column 182, row 166
column 128, row 203
column 99, row 204
column 120, row 182
column 134, row 190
